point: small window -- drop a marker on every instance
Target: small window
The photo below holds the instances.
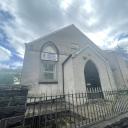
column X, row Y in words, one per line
column 49, row 71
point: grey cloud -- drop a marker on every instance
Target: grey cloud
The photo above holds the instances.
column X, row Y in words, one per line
column 40, row 17
column 111, row 12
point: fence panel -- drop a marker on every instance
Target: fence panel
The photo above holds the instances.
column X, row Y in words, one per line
column 72, row 110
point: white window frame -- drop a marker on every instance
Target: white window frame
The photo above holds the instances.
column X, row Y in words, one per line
column 54, row 72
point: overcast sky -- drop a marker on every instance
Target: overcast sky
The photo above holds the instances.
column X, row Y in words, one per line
column 105, row 22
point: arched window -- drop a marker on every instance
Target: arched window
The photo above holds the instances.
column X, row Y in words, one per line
column 49, row 59
column 91, row 75
column 92, row 80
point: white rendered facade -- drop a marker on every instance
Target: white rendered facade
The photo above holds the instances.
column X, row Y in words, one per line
column 56, row 64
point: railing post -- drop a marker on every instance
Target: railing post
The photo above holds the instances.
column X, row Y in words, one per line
column 3, row 123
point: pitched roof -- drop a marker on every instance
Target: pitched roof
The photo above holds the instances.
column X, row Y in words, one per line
column 69, row 32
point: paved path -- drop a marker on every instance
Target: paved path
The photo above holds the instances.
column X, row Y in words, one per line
column 123, row 123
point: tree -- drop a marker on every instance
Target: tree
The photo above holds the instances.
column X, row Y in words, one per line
column 9, row 76
column 6, row 78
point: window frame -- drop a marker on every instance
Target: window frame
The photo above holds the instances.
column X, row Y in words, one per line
column 54, row 72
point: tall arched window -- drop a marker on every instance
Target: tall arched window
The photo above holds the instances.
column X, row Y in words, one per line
column 92, row 80
column 49, row 59
column 91, row 75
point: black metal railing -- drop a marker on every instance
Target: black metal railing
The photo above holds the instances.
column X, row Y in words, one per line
column 74, row 110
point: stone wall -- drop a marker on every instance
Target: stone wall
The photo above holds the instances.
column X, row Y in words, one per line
column 12, row 101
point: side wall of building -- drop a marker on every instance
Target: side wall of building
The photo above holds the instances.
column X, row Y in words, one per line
column 105, row 73
column 30, row 71
column 31, row 75
column 124, row 70
column 69, row 77
column 66, row 42
column 119, row 69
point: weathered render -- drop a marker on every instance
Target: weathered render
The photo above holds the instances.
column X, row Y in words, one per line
column 73, row 51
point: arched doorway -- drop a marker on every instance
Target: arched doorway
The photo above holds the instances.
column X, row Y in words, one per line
column 92, row 80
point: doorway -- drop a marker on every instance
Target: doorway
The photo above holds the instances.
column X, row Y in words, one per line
column 92, row 81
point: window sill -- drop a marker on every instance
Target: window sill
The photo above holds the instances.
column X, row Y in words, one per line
column 49, row 82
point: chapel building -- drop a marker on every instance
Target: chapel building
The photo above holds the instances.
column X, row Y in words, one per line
column 68, row 61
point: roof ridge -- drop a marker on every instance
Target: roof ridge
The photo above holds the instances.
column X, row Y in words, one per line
column 53, row 32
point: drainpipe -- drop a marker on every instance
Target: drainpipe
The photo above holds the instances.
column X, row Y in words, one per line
column 63, row 69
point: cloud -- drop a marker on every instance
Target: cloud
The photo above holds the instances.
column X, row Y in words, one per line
column 102, row 21
column 4, row 66
column 31, row 20
column 16, row 65
column 5, row 54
